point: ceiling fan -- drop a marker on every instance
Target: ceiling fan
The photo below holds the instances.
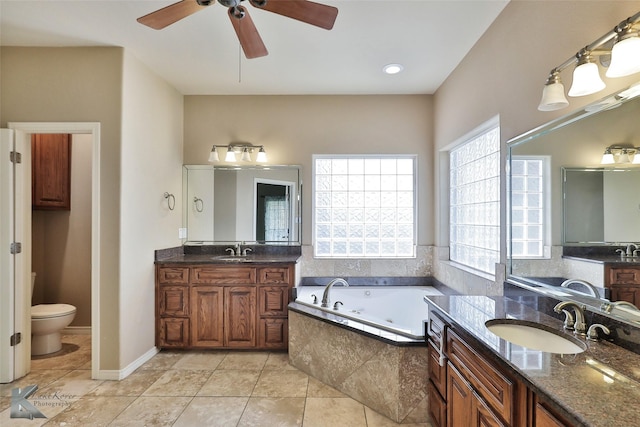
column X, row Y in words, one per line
column 317, row 14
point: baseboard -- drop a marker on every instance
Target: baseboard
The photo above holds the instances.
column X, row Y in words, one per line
column 128, row 370
column 77, row 330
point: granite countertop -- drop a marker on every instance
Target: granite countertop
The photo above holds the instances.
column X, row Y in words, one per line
column 599, row 387
column 217, row 254
column 225, row 260
column 606, row 259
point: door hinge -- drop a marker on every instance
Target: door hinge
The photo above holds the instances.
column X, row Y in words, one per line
column 16, row 339
column 16, row 248
column 15, row 157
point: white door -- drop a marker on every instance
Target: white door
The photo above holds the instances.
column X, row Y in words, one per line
column 15, row 261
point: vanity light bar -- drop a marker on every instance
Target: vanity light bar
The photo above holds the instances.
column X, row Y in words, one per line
column 616, row 154
column 622, row 43
column 244, row 149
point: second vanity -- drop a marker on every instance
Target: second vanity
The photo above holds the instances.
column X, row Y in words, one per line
column 209, row 301
column 478, row 378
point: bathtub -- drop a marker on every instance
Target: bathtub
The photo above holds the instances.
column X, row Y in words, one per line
column 372, row 348
column 398, row 310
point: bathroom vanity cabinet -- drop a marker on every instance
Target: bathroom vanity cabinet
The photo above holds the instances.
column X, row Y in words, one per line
column 467, row 389
column 51, row 171
column 623, row 283
column 223, row 306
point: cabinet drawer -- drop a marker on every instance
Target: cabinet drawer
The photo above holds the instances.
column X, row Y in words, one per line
column 273, row 275
column 173, row 300
column 173, row 332
column 437, row 373
column 624, row 276
column 173, row 275
column 498, row 390
column 437, row 407
column 435, row 330
column 272, row 301
column 273, row 333
column 223, row 275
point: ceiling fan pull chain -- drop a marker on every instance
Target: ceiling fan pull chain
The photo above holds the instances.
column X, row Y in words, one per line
column 239, row 63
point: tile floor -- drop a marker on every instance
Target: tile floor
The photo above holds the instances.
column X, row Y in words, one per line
column 215, row 388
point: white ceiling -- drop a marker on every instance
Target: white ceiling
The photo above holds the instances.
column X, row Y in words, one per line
column 200, row 54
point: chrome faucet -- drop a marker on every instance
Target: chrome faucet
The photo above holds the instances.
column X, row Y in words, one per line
column 235, row 251
column 592, row 289
column 608, row 306
column 630, row 251
column 325, row 295
column 580, row 323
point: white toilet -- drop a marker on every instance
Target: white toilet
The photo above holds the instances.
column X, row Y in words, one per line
column 47, row 320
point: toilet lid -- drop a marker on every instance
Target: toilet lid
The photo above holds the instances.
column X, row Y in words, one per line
column 51, row 310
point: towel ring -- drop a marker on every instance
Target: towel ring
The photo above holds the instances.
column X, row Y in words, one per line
column 171, row 200
column 199, row 204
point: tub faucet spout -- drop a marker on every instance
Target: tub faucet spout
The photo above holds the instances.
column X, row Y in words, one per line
column 325, row 295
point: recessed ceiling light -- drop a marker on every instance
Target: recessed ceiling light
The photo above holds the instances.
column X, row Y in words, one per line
column 392, row 68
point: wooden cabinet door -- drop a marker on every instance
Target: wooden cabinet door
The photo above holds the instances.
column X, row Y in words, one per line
column 207, row 316
column 51, row 171
column 437, row 407
column 626, row 293
column 273, row 301
column 482, row 416
column 459, row 399
column 273, row 334
column 240, row 316
column 173, row 301
column 173, row 332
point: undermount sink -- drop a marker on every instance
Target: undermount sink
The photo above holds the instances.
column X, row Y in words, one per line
column 534, row 336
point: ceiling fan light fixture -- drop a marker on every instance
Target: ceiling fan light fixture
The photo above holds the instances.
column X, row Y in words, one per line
column 392, row 69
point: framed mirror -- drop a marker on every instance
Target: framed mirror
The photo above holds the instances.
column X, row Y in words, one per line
column 251, row 204
column 561, row 199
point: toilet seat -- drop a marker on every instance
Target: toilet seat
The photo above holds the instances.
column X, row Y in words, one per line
column 47, row 311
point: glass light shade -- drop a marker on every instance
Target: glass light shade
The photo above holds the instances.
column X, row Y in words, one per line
column 586, row 80
column 231, row 156
column 624, row 157
column 262, row 156
column 246, row 157
column 607, row 158
column 636, row 158
column 625, row 57
column 213, row 156
column 553, row 97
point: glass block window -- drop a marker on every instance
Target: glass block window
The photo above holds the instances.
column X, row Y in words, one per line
column 474, row 198
column 528, row 206
column 364, row 206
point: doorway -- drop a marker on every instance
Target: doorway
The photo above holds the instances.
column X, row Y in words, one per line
column 22, row 284
column 273, row 210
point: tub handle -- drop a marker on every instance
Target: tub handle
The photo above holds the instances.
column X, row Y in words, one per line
column 335, row 306
column 315, row 298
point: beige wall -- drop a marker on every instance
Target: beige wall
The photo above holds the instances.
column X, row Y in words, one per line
column 151, row 165
column 77, row 85
column 293, row 128
column 140, row 120
column 505, row 72
column 61, row 251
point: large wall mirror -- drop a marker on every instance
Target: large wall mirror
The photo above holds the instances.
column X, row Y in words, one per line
column 561, row 195
column 251, row 204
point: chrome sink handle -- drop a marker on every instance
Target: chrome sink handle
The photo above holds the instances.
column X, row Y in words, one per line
column 621, row 252
column 246, row 251
column 231, row 251
column 592, row 333
column 335, row 306
column 315, row 298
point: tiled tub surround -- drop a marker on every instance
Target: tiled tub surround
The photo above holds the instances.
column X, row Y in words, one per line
column 600, row 387
column 389, row 378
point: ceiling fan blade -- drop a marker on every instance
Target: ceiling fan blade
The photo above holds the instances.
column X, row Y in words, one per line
column 320, row 15
column 166, row 16
column 250, row 40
